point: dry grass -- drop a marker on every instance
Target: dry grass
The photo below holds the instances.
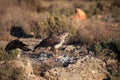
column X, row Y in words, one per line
column 44, row 16
column 17, row 13
column 8, row 72
column 91, row 31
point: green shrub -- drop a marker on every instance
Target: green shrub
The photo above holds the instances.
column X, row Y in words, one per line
column 52, row 24
column 114, row 45
column 98, row 48
column 104, row 7
column 108, row 49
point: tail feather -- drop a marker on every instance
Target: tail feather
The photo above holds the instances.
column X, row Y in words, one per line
column 25, row 48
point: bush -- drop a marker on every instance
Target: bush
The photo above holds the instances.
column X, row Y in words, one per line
column 52, row 25
column 114, row 45
column 105, row 7
column 108, row 49
column 89, row 32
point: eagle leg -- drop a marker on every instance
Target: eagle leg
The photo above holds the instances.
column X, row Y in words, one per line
column 55, row 51
column 36, row 48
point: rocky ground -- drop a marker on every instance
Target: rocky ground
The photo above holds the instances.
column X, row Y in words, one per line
column 71, row 62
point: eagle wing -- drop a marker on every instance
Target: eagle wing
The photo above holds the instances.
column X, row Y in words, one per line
column 52, row 41
column 15, row 44
column 11, row 45
column 24, row 48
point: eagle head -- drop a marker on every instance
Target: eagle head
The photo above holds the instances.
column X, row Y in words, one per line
column 62, row 39
column 64, row 34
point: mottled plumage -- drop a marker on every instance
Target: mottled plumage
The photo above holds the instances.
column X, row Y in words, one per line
column 53, row 41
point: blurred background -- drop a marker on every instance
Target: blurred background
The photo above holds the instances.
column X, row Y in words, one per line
column 25, row 18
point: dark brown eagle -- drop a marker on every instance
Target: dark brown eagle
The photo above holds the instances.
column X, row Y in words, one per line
column 53, row 41
column 16, row 44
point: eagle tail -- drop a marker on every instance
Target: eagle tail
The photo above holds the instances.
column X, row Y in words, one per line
column 25, row 48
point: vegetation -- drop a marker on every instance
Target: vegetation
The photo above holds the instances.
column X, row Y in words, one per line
column 105, row 7
column 46, row 17
column 113, row 45
column 52, row 24
column 4, row 56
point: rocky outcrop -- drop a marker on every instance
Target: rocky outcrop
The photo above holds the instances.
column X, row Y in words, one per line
column 25, row 67
column 72, row 63
column 86, row 68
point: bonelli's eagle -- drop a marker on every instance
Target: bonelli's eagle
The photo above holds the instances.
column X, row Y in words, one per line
column 53, row 41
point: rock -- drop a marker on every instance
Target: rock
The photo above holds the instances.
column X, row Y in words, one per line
column 1, row 62
column 42, row 56
column 26, row 66
column 66, row 60
column 79, row 14
column 69, row 48
column 87, row 68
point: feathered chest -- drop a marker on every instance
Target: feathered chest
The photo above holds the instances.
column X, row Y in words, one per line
column 62, row 40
